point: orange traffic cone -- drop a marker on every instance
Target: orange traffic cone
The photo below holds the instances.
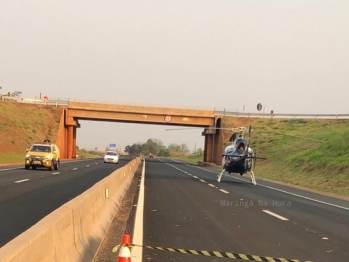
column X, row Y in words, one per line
column 125, row 251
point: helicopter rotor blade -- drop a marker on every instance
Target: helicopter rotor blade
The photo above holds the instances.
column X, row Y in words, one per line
column 249, row 136
column 243, row 129
column 245, row 156
column 302, row 137
column 257, row 157
column 188, row 128
column 234, row 129
column 250, row 130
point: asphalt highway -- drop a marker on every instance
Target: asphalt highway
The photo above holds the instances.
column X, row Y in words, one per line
column 27, row 196
column 185, row 208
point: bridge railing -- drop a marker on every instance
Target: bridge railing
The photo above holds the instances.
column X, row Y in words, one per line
column 272, row 115
column 224, row 112
column 47, row 102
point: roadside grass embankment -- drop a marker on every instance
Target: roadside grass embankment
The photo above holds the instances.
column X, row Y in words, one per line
column 295, row 159
column 307, row 153
column 21, row 125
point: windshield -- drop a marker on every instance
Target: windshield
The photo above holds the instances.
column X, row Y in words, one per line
column 111, row 153
column 37, row 148
column 240, row 140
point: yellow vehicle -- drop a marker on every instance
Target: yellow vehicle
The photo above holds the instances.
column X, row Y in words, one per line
column 43, row 155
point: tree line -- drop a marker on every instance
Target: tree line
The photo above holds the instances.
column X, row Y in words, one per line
column 157, row 147
column 14, row 93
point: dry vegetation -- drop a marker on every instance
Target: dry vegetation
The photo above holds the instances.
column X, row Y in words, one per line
column 23, row 124
column 294, row 160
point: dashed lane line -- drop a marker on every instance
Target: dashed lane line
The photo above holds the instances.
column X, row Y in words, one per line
column 283, row 191
column 275, row 215
column 21, row 181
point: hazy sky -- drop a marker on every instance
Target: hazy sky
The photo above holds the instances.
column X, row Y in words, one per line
column 291, row 56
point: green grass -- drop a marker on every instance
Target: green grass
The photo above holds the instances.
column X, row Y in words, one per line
column 193, row 159
column 83, row 154
column 294, row 160
column 297, row 161
column 12, row 159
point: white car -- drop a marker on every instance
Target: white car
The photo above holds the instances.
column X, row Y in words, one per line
column 111, row 157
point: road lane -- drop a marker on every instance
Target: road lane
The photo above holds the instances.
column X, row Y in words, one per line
column 23, row 204
column 8, row 175
column 321, row 215
column 186, row 208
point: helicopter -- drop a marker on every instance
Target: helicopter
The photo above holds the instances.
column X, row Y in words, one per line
column 239, row 157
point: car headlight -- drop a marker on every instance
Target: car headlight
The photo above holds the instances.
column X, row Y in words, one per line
column 48, row 157
column 27, row 156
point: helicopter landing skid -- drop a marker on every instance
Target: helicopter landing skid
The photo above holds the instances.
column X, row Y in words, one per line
column 253, row 179
column 219, row 177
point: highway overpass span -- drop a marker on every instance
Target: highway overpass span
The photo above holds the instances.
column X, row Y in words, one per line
column 76, row 111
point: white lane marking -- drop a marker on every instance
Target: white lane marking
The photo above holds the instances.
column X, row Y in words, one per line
column 87, row 165
column 75, row 168
column 275, row 215
column 56, row 173
column 280, row 190
column 201, row 180
column 138, row 227
column 293, row 194
column 20, row 181
column 224, row 191
column 304, row 197
column 8, row 169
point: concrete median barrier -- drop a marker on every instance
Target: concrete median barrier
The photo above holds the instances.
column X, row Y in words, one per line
column 73, row 232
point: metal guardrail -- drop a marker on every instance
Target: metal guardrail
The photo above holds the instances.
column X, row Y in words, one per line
column 58, row 102
column 45, row 102
column 266, row 115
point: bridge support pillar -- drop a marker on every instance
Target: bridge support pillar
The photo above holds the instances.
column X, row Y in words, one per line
column 66, row 139
column 213, row 144
column 208, row 150
column 71, row 142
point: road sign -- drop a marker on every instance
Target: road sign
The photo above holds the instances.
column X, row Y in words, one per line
column 168, row 119
column 112, row 145
column 259, row 106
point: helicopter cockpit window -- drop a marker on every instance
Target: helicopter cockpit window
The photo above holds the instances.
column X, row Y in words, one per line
column 229, row 149
column 239, row 141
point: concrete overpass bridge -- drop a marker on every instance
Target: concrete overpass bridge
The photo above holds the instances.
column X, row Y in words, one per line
column 76, row 111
